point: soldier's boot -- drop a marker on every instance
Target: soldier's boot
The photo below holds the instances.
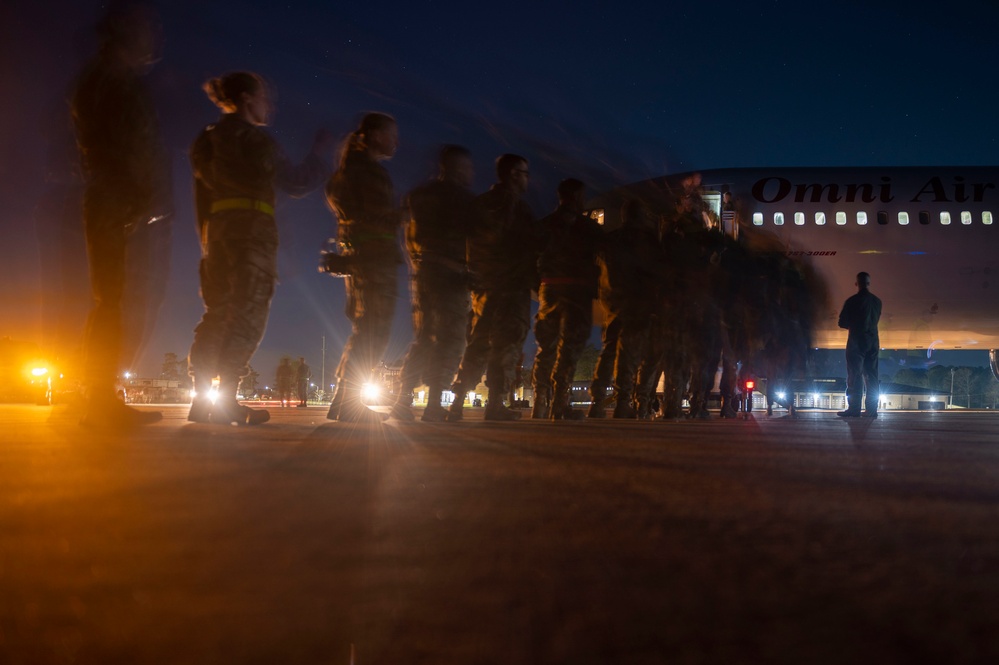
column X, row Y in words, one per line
column 403, row 407
column 562, row 406
column 228, row 411
column 337, row 401
column 542, row 403
column 727, row 407
column 496, row 410
column 353, row 411
column 644, row 411
column 499, row 411
column 434, row 413
column 201, row 403
column 349, row 408
column 454, row 412
column 103, row 409
column 696, row 406
column 598, row 405
column 624, row 407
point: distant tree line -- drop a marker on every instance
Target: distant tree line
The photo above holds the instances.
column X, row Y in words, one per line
column 971, row 387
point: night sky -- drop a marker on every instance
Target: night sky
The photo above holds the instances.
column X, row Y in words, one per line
column 610, row 92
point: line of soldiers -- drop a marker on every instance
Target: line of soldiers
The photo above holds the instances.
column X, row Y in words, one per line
column 677, row 296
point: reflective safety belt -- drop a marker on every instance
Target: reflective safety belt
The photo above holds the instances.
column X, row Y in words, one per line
column 243, row 204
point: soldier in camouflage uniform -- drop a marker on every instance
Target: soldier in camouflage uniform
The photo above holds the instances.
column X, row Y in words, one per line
column 569, row 274
column 361, row 194
column 127, row 186
column 502, row 261
column 237, row 167
column 442, row 213
column 632, row 264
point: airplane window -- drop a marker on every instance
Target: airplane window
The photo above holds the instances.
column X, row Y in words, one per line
column 799, row 218
column 757, row 219
column 965, row 217
column 820, row 218
column 924, row 217
column 882, row 218
column 903, row 218
column 778, row 219
column 862, row 218
column 841, row 218
column 945, row 218
column 986, row 217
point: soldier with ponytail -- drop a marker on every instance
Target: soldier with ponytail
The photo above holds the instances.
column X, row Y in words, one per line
column 362, row 196
column 238, row 167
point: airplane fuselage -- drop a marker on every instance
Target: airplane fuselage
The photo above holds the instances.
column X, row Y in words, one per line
column 927, row 236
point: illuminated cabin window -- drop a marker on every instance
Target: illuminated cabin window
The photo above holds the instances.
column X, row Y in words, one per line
column 882, row 218
column 841, row 219
column 987, row 217
column 965, row 217
column 945, row 218
column 820, row 218
column 778, row 219
column 757, row 219
column 597, row 215
column 862, row 218
column 799, row 219
column 903, row 218
column 924, row 217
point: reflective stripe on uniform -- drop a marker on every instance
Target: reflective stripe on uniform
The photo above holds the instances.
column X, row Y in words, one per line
column 243, row 204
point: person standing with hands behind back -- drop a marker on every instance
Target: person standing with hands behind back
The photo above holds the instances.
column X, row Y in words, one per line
column 237, row 167
column 860, row 315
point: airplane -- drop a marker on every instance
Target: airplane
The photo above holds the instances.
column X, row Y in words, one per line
column 928, row 236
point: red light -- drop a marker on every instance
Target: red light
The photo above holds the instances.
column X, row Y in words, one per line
column 750, row 385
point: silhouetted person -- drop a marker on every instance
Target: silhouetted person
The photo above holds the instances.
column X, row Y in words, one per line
column 728, row 216
column 442, row 212
column 860, row 315
column 126, row 186
column 302, row 376
column 569, row 275
column 283, row 381
column 361, row 194
column 632, row 258
column 502, row 262
column 237, row 168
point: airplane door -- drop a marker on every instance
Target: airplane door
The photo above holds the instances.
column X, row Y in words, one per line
column 725, row 219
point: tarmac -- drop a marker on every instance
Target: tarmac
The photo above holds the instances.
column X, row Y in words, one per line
column 767, row 540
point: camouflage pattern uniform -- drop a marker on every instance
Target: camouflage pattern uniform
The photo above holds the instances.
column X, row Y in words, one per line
column 361, row 194
column 237, row 167
column 631, row 266
column 569, row 275
column 705, row 330
column 502, row 260
column 442, row 213
column 679, row 322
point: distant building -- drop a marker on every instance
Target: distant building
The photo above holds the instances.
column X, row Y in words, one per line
column 898, row 396
column 157, row 391
column 830, row 393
